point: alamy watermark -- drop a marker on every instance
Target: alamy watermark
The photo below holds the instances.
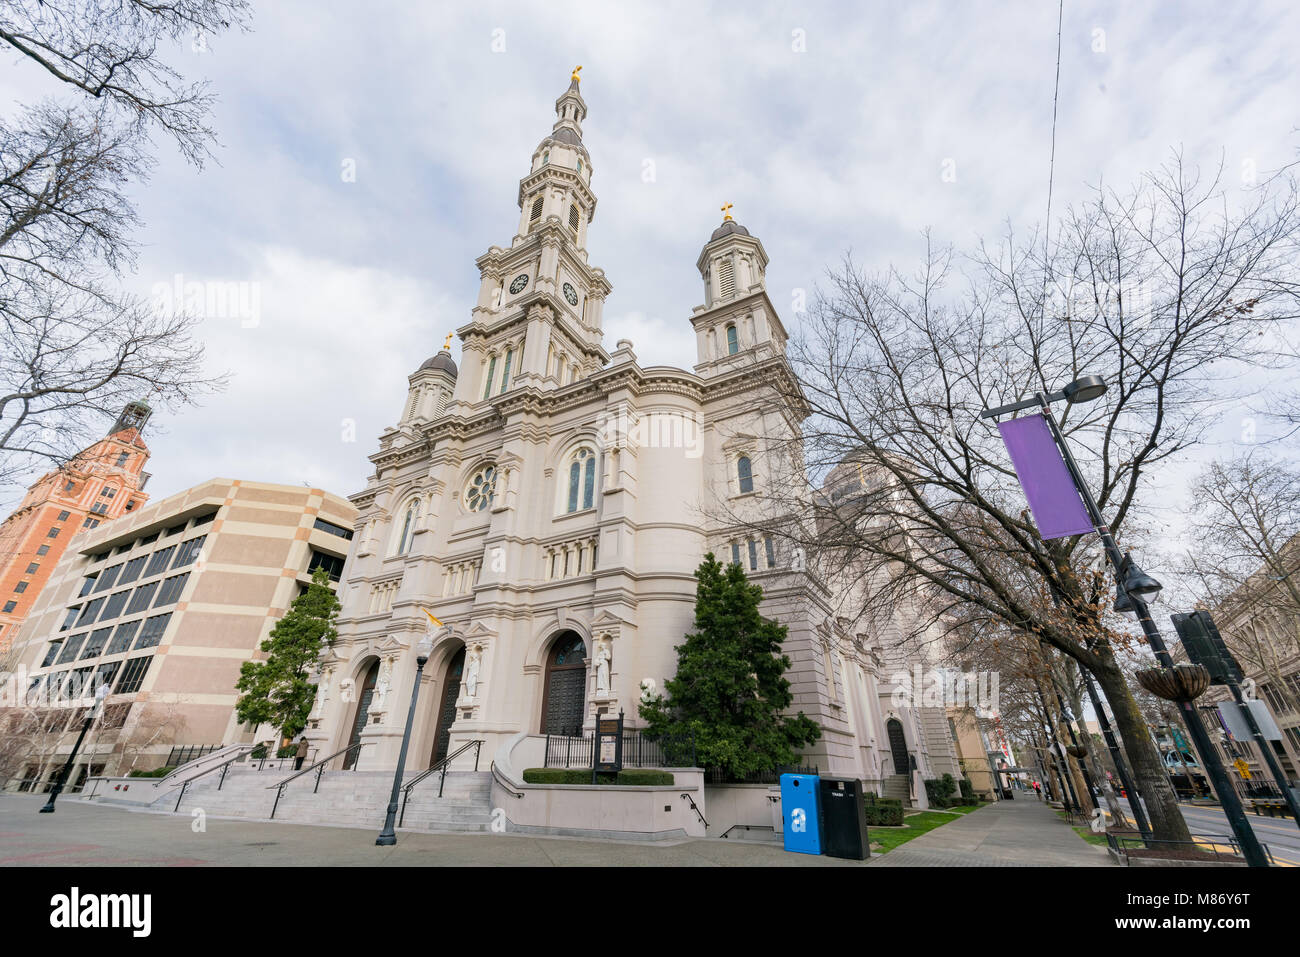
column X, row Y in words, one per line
column 210, row 299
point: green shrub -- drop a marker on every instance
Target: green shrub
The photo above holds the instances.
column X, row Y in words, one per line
column 884, row 815
column 635, row 777
column 940, row 791
column 883, row 801
column 155, row 773
column 645, row 777
column 967, row 791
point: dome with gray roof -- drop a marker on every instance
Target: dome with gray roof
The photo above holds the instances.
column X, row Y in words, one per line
column 442, row 362
column 728, row 228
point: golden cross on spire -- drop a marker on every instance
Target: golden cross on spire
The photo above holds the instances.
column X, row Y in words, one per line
column 446, row 346
column 574, row 75
column 725, row 210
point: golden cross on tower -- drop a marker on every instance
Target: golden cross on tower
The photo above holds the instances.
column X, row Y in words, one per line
column 725, row 210
column 446, row 346
column 574, row 75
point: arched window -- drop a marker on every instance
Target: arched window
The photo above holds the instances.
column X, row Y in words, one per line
column 733, row 344
column 582, row 480
column 579, row 166
column 745, row 474
column 491, row 374
column 546, row 157
column 409, row 523
column 505, row 372
column 481, row 487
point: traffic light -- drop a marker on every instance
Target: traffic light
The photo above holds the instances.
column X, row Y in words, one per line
column 1205, row 646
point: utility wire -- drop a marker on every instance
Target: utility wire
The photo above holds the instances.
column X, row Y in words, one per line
column 1051, row 165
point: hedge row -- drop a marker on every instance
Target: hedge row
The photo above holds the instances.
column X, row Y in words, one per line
column 639, row 777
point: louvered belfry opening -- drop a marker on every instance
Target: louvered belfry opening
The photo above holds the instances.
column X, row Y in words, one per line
column 726, row 278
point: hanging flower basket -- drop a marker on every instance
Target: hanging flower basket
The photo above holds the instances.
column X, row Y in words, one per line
column 1077, row 751
column 1181, row 683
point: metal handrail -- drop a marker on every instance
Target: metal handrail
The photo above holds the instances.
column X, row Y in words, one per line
column 318, row 767
column 696, row 809
column 440, row 766
column 224, row 766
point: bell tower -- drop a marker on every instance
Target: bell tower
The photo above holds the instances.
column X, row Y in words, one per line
column 737, row 323
column 538, row 320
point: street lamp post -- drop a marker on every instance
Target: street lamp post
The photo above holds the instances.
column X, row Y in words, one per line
column 388, row 836
column 1132, row 587
column 100, row 694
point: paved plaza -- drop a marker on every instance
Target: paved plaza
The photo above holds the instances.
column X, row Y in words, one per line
column 81, row 834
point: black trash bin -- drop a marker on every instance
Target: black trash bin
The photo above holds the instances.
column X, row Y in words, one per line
column 844, row 819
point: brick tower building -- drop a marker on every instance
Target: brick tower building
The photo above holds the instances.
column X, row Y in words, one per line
column 96, row 485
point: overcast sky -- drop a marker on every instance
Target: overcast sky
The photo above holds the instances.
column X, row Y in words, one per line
column 827, row 127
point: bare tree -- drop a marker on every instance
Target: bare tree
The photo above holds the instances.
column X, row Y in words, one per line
column 1244, row 559
column 1163, row 291
column 109, row 50
column 73, row 347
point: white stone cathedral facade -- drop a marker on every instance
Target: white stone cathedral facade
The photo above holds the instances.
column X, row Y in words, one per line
column 549, row 501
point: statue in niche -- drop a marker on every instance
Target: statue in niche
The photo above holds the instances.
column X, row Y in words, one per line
column 383, row 684
column 322, row 694
column 647, row 689
column 473, row 662
column 601, row 664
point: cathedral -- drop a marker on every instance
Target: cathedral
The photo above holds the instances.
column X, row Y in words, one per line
column 549, row 501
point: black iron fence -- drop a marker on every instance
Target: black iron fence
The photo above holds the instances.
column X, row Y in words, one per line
column 1256, row 788
column 575, row 751
column 188, row 753
column 717, row 776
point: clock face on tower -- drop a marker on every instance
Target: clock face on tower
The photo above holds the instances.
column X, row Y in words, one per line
column 519, row 283
column 570, row 294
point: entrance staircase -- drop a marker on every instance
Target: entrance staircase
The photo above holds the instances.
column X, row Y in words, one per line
column 344, row 798
column 896, row 786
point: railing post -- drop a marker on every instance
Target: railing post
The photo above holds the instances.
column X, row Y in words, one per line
column 546, row 761
column 278, row 791
column 478, row 746
column 319, row 771
column 224, row 768
column 180, row 796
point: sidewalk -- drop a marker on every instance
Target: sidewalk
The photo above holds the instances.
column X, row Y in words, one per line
column 1019, row 833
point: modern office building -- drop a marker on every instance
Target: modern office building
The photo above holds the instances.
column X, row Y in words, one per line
column 163, row 606
column 98, row 484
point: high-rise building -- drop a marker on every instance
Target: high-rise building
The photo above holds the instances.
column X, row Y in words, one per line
column 163, row 607
column 98, row 484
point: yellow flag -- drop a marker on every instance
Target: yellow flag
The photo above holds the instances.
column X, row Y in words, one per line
column 432, row 619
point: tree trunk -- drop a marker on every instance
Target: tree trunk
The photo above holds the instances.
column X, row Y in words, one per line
column 1149, row 775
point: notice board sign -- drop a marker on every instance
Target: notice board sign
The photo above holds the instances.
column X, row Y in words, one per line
column 609, row 744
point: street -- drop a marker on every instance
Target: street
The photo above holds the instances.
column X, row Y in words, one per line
column 1279, row 833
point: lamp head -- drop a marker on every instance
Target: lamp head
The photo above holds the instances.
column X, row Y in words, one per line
column 1084, row 389
column 424, row 648
column 1136, row 581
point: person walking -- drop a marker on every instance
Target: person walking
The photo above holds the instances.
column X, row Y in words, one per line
column 300, row 753
column 1038, row 790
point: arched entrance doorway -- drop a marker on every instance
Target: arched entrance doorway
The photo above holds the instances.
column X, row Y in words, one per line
column 363, row 710
column 898, row 746
column 564, row 698
column 450, row 689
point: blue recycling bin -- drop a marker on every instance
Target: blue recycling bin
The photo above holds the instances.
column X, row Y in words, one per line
column 800, row 813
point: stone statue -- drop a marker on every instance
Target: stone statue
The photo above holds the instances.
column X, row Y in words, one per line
column 602, row 667
column 647, row 689
column 383, row 684
column 472, row 663
column 322, row 694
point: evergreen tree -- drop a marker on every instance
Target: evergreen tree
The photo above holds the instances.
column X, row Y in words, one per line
column 276, row 691
column 729, row 689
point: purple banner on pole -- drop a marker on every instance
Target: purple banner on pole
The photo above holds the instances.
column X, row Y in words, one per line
column 1058, row 509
